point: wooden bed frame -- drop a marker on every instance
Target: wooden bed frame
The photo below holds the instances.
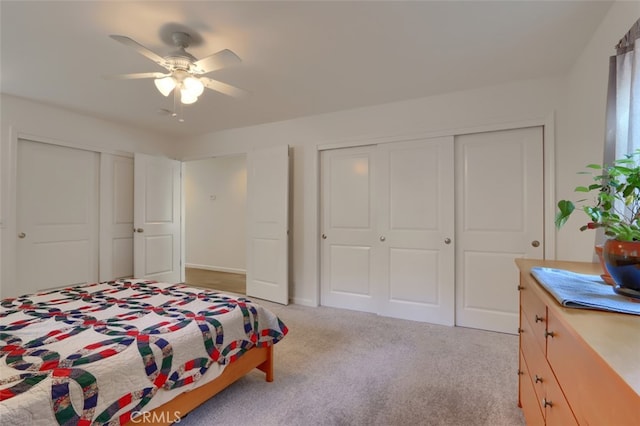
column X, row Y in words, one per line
column 181, row 405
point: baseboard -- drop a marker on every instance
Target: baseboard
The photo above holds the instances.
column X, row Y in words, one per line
column 216, row 268
column 303, row 302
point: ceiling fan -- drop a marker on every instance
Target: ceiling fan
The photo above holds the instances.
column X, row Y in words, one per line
column 185, row 76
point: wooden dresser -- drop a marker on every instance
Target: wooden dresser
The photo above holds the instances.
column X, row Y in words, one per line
column 577, row 366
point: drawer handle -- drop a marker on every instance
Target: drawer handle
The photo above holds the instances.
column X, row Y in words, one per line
column 549, row 334
column 539, row 319
column 546, row 403
column 538, row 379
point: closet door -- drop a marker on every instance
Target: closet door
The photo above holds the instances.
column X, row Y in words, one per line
column 499, row 218
column 116, row 217
column 57, row 211
column 348, row 224
column 415, row 230
column 387, row 229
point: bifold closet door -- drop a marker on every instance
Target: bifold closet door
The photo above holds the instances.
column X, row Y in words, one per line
column 387, row 229
column 57, row 216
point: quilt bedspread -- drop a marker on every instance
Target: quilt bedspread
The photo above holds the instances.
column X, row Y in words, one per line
column 100, row 353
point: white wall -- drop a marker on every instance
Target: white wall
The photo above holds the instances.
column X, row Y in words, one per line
column 216, row 193
column 20, row 118
column 576, row 101
column 584, row 128
column 438, row 115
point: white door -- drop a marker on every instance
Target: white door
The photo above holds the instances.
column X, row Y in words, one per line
column 387, row 228
column 267, row 224
column 416, row 230
column 116, row 217
column 57, row 211
column 348, row 224
column 499, row 218
column 157, row 223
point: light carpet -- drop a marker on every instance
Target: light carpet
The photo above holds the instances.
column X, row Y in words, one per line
column 340, row 367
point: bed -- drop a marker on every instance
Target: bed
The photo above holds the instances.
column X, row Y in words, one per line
column 126, row 351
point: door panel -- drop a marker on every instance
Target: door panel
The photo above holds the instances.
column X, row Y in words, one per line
column 415, row 205
column 267, row 224
column 406, row 267
column 350, row 267
column 57, row 210
column 157, row 218
column 351, row 200
column 499, row 214
column 116, row 217
column 348, row 228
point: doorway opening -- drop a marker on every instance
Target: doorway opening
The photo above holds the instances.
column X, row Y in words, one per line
column 215, row 223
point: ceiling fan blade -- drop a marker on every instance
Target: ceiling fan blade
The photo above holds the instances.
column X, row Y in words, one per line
column 140, row 49
column 224, row 88
column 223, row 58
column 138, row 75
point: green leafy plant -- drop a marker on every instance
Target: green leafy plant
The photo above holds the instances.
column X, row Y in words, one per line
column 615, row 206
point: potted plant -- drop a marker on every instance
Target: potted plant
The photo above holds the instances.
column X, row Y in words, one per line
column 615, row 207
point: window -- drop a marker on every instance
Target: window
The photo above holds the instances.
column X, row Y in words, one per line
column 623, row 100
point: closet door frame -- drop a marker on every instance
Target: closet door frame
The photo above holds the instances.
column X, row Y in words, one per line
column 312, row 213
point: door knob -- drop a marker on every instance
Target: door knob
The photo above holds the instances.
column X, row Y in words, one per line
column 324, row 236
column 447, row 240
column 382, row 238
column 22, row 235
column 140, row 230
column 535, row 243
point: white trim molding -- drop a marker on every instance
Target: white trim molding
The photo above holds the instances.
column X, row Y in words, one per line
column 216, row 268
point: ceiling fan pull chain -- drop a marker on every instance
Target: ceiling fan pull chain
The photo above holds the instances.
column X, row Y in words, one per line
column 175, row 102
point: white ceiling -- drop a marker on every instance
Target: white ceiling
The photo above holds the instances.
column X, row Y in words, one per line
column 298, row 58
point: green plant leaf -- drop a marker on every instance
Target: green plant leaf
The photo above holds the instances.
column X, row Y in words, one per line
column 565, row 208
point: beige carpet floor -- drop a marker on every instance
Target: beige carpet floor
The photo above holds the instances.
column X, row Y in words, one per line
column 340, row 367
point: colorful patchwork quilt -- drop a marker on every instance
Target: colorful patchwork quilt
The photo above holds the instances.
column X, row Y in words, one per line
column 102, row 353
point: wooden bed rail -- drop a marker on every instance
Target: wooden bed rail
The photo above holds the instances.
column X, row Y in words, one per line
column 181, row 405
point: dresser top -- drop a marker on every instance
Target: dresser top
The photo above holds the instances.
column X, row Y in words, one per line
column 614, row 337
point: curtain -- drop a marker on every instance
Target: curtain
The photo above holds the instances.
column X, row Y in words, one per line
column 622, row 128
column 623, row 109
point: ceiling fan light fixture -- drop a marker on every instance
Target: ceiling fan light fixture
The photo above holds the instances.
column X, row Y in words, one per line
column 187, row 97
column 193, row 85
column 165, row 85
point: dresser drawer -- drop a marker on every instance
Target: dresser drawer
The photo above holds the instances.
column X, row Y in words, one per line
column 597, row 395
column 530, row 408
column 541, row 375
column 557, row 411
column 536, row 311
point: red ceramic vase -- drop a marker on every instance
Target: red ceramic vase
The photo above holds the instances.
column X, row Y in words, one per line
column 605, row 277
column 622, row 259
